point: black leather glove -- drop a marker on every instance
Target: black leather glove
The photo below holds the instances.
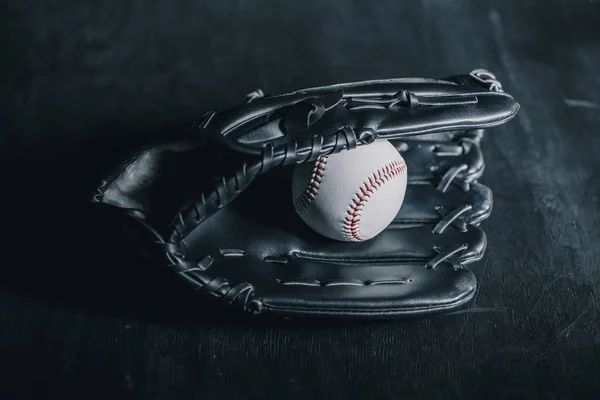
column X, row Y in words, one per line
column 215, row 203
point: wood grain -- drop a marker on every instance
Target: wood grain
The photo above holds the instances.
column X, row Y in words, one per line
column 81, row 82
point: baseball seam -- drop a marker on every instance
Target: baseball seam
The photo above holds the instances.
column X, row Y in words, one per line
column 351, row 227
column 312, row 187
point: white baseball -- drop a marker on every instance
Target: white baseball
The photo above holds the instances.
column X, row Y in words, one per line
column 353, row 195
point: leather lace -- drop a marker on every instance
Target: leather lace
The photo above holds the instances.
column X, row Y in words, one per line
column 450, row 254
column 486, row 77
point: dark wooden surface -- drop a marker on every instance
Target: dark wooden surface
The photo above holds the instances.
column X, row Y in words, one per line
column 82, row 81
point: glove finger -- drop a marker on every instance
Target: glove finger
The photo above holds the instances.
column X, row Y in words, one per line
column 461, row 204
column 432, row 160
column 397, row 245
column 320, row 288
column 386, row 109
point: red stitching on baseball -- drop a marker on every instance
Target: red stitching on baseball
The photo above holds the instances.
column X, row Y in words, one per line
column 351, row 226
column 312, row 187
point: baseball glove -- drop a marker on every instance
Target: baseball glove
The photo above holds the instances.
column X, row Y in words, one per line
column 214, row 204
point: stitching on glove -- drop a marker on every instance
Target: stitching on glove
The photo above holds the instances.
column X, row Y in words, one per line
column 351, row 226
column 312, row 187
column 317, row 283
column 232, row 252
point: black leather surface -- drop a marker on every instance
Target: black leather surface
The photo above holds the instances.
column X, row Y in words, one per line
column 433, row 158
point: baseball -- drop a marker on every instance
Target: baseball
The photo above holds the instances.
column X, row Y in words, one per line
column 351, row 196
